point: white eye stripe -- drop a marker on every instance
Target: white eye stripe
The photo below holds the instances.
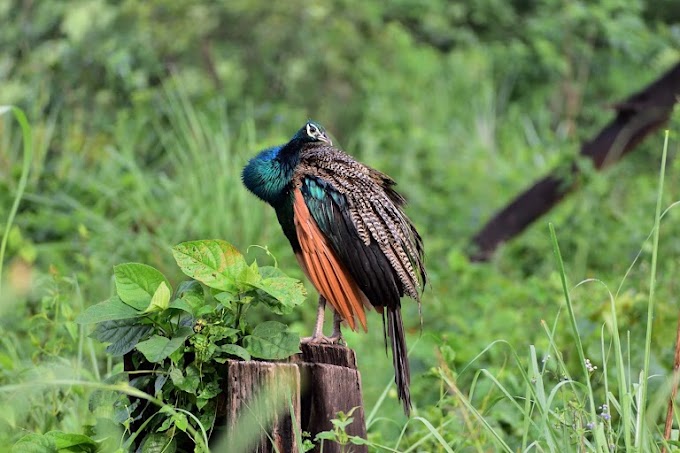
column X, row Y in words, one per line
column 312, row 131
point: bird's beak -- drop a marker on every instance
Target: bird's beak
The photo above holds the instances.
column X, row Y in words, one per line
column 324, row 138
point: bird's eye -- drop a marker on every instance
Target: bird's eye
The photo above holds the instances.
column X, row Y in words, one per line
column 312, row 131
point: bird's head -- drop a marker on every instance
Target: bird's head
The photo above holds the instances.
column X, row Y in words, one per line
column 312, row 132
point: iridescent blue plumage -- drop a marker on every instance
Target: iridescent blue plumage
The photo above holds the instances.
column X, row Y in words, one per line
column 348, row 230
column 268, row 174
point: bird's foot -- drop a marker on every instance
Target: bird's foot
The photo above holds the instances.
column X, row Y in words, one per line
column 323, row 339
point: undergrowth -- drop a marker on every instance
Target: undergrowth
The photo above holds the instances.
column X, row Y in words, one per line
column 579, row 367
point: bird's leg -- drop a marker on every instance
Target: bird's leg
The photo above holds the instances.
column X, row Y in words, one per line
column 318, row 336
column 336, row 336
column 320, row 313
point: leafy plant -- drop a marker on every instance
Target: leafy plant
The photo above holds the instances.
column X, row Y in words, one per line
column 339, row 432
column 185, row 337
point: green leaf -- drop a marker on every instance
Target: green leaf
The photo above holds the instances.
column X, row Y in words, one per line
column 286, row 291
column 158, row 443
column 137, row 283
column 210, row 391
column 271, row 272
column 123, row 334
column 216, row 263
column 356, row 440
column 235, row 350
column 109, row 310
column 325, row 435
column 167, row 423
column 342, row 423
column 157, row 348
column 181, row 421
column 34, row 443
column 271, row 340
column 188, row 383
column 181, row 304
column 226, row 299
column 190, row 297
column 250, row 275
column 217, row 333
column 204, row 310
column 70, row 441
column 160, row 300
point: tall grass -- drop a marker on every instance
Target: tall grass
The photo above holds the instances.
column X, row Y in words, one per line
column 174, row 174
column 27, row 136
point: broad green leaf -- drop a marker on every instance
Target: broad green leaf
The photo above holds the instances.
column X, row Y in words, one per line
column 204, row 310
column 34, row 443
column 271, row 340
column 235, row 350
column 226, row 299
column 137, row 283
column 123, row 335
column 250, row 275
column 287, row 291
column 325, row 435
column 218, row 333
column 271, row 272
column 181, row 304
column 211, row 390
column 109, row 310
column 190, row 297
column 158, row 443
column 157, row 348
column 69, row 441
column 181, row 421
column 216, row 263
column 187, row 383
column 167, row 423
column 160, row 300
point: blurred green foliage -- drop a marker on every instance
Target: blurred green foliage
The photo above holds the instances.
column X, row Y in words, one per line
column 145, row 112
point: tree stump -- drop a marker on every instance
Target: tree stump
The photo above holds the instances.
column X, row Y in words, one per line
column 266, row 403
column 331, row 383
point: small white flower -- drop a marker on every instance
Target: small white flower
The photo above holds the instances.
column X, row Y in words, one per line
column 589, row 366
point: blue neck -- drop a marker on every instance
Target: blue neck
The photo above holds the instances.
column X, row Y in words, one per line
column 269, row 174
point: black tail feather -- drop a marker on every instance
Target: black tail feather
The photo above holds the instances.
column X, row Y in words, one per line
column 402, row 373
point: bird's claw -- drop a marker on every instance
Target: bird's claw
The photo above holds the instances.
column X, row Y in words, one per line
column 323, row 339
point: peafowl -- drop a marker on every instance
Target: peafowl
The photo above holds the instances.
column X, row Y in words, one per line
column 349, row 233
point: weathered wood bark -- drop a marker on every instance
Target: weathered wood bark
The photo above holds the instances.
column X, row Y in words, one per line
column 263, row 398
column 637, row 117
column 316, row 385
column 331, row 383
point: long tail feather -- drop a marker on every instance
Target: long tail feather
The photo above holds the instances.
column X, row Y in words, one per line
column 402, row 373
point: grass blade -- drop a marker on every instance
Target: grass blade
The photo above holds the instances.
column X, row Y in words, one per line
column 640, row 432
column 20, row 116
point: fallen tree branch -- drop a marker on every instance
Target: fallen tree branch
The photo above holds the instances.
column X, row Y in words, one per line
column 636, row 118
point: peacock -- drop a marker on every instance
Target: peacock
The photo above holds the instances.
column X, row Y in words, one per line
column 346, row 225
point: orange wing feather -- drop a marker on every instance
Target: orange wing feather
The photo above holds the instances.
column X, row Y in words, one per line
column 324, row 269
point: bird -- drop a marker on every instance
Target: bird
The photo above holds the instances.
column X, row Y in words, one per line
column 347, row 227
